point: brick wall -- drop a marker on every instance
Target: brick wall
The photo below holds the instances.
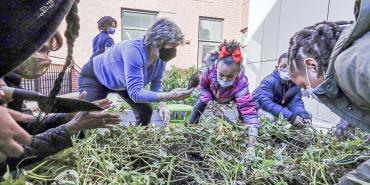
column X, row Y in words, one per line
column 185, row 13
column 74, row 75
column 245, row 13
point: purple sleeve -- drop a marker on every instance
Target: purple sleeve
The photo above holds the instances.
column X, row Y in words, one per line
column 204, row 87
column 156, row 85
column 109, row 42
column 296, row 105
column 247, row 107
column 266, row 101
column 134, row 64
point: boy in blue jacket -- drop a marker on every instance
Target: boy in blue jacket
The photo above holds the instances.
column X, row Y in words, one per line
column 278, row 94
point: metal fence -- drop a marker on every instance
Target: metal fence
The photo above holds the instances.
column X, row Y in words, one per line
column 45, row 83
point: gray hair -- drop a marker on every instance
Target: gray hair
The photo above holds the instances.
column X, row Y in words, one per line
column 163, row 32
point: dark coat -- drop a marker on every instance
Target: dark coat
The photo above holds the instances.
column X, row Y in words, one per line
column 277, row 96
column 48, row 138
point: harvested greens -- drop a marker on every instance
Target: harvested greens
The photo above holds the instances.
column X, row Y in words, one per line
column 212, row 152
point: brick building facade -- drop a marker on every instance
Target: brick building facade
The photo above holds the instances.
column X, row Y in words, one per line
column 219, row 19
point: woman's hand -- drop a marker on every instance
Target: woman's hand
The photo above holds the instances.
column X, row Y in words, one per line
column 176, row 94
column 92, row 120
column 11, row 136
column 164, row 113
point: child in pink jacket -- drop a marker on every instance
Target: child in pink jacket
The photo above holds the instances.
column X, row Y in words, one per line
column 224, row 81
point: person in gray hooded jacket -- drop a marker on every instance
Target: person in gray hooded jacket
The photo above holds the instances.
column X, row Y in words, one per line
column 333, row 59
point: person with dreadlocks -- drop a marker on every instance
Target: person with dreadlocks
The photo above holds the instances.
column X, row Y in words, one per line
column 332, row 60
column 223, row 80
column 33, row 68
column 107, row 26
column 277, row 94
column 25, row 46
column 130, row 65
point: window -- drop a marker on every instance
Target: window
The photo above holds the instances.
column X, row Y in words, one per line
column 210, row 36
column 136, row 23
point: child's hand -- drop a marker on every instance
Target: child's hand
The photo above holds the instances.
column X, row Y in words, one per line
column 218, row 112
column 298, row 121
column 368, row 139
column 251, row 141
column 250, row 153
column 344, row 130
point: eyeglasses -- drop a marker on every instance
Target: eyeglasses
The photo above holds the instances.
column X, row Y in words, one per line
column 283, row 67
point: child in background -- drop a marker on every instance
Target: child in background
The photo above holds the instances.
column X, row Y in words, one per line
column 224, row 81
column 107, row 26
column 278, row 94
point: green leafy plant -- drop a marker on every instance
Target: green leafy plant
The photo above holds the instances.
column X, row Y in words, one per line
column 212, row 152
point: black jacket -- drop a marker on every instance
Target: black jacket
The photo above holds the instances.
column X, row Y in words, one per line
column 49, row 137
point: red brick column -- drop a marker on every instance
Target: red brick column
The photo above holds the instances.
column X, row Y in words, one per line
column 75, row 75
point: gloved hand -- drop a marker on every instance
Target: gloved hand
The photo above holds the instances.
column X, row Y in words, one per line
column 298, row 121
column 368, row 139
column 344, row 130
column 218, row 112
column 250, row 153
column 307, row 121
column 252, row 136
column 164, row 113
column 176, row 94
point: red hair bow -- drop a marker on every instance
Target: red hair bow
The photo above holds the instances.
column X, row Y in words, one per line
column 237, row 56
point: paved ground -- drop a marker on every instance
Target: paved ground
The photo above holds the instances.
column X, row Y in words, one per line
column 130, row 118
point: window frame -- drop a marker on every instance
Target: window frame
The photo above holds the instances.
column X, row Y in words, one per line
column 137, row 11
column 202, row 42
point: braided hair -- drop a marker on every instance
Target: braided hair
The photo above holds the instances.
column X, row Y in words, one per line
column 212, row 56
column 317, row 42
column 105, row 22
column 230, row 46
column 71, row 34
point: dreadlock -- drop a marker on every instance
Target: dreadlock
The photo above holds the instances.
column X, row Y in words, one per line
column 105, row 22
column 212, row 56
column 317, row 42
column 230, row 46
column 71, row 34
